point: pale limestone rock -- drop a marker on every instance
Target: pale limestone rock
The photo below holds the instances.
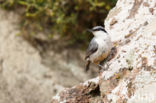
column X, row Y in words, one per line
column 22, row 74
column 26, row 76
column 131, row 75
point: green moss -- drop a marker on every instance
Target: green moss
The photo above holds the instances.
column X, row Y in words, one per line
column 69, row 18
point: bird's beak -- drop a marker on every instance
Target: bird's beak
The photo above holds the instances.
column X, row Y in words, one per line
column 90, row 30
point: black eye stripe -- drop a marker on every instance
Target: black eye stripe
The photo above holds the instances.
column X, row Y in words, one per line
column 99, row 29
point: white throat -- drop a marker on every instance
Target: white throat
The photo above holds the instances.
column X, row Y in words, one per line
column 100, row 34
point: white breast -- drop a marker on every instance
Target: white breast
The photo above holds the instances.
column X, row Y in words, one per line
column 104, row 46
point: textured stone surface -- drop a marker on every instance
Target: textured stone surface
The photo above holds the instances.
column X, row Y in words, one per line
column 33, row 75
column 131, row 75
column 25, row 77
column 22, row 75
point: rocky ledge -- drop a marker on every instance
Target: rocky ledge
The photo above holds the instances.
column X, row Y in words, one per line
column 131, row 75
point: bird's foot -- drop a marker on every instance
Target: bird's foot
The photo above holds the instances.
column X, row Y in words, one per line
column 101, row 68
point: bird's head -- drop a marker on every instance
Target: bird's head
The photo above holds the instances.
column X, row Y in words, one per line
column 98, row 31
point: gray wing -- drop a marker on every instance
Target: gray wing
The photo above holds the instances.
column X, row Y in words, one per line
column 92, row 48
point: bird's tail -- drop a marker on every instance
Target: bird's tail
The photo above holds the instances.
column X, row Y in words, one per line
column 87, row 66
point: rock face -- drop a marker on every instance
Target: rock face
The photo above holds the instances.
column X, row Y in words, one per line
column 24, row 78
column 131, row 75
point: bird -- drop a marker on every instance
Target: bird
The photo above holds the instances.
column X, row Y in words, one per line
column 99, row 47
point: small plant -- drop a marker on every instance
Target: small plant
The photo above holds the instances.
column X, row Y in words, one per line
column 67, row 18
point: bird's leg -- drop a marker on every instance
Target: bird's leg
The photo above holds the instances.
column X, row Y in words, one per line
column 102, row 65
column 101, row 68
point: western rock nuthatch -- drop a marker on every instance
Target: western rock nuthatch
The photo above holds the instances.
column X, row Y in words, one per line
column 99, row 48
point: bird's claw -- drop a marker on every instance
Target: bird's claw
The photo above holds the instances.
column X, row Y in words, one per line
column 101, row 68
